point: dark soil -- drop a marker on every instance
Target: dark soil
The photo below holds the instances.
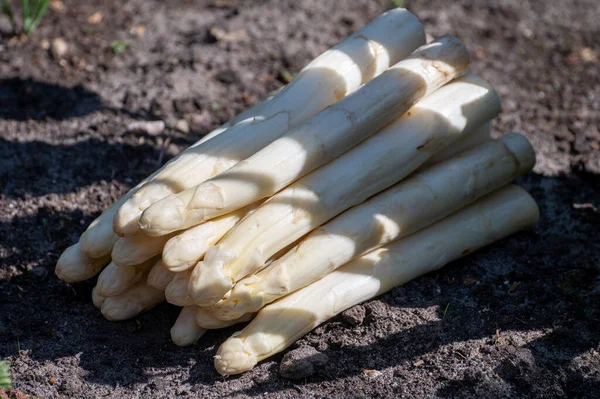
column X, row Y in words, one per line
column 518, row 319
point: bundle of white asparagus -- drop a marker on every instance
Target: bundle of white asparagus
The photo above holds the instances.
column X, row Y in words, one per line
column 372, row 167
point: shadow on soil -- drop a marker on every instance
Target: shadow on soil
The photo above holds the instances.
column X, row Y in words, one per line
column 25, row 99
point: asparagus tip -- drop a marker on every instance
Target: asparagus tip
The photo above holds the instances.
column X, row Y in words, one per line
column 233, row 357
column 209, row 282
column 163, row 217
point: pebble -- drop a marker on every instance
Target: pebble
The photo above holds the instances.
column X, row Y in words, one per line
column 354, row 316
column 301, row 363
column 182, row 126
column 153, row 128
column 59, row 47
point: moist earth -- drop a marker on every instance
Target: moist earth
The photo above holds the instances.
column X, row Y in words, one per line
column 517, row 319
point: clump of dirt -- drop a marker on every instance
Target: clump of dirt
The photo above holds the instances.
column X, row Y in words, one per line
column 517, row 319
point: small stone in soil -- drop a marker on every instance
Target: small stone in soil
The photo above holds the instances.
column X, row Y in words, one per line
column 227, row 76
column 354, row 316
column 152, row 128
column 59, row 47
column 301, row 363
column 182, row 126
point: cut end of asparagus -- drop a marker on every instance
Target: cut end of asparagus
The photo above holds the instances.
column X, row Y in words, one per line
column 209, row 282
column 234, row 356
column 185, row 331
column 73, row 266
column 239, row 301
column 524, row 155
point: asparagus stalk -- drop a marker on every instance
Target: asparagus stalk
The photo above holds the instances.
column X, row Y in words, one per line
column 159, row 276
column 281, row 323
column 206, row 319
column 184, row 250
column 99, row 238
column 131, row 251
column 138, row 298
column 397, row 212
column 177, row 290
column 320, row 139
column 73, row 265
column 367, row 169
column 479, row 136
column 115, row 280
column 97, row 299
column 185, row 331
column 331, row 76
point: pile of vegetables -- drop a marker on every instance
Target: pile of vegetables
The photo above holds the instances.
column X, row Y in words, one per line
column 372, row 167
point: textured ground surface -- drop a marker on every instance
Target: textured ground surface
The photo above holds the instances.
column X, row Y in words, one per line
column 519, row 319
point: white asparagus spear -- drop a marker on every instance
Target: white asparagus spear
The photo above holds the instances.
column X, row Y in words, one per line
column 133, row 250
column 331, row 76
column 115, row 280
column 132, row 302
column 177, row 290
column 97, row 299
column 185, row 331
column 98, row 240
column 479, row 136
column 74, row 266
column 320, row 139
column 281, row 323
column 184, row 250
column 407, row 207
column 125, row 222
column 374, row 165
column 206, row 319
column 159, row 276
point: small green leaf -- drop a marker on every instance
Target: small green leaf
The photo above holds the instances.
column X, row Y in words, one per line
column 118, row 46
column 4, row 375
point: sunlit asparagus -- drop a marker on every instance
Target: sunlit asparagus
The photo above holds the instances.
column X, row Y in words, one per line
column 281, row 323
column 479, row 136
column 331, row 76
column 320, row 139
column 115, row 280
column 185, row 331
column 185, row 249
column 98, row 240
column 132, row 302
column 397, row 212
column 372, row 166
column 206, row 319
